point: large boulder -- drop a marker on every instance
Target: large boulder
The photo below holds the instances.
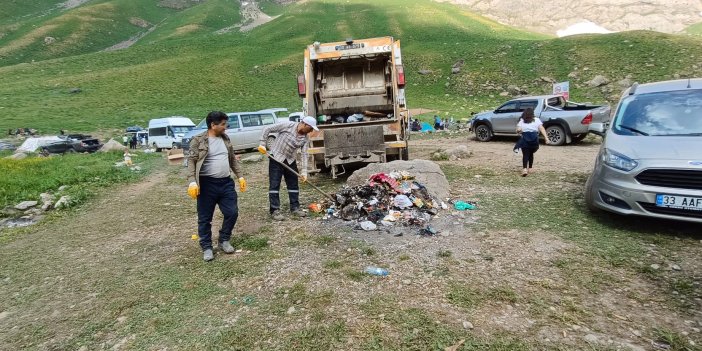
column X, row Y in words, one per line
column 113, row 145
column 425, row 172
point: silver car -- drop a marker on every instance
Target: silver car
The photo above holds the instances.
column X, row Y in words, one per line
column 650, row 162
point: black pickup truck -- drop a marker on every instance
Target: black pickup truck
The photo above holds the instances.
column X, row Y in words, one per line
column 72, row 143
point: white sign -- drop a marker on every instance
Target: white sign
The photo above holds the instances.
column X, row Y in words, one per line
column 562, row 88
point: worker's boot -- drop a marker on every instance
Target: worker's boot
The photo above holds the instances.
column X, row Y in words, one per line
column 207, row 255
column 276, row 215
column 299, row 213
column 226, row 247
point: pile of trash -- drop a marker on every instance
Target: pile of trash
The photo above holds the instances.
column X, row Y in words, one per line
column 386, row 199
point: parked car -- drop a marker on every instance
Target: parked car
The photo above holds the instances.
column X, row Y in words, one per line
column 5, row 146
column 564, row 121
column 72, row 143
column 244, row 128
column 650, row 162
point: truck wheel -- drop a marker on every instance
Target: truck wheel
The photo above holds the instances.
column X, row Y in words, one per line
column 483, row 133
column 556, row 135
column 173, row 146
column 578, row 137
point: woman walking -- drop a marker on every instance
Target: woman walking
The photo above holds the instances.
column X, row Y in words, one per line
column 529, row 127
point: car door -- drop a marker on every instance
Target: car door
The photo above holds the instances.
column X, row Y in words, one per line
column 505, row 117
column 523, row 105
column 235, row 132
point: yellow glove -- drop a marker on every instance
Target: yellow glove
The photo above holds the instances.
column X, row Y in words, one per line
column 262, row 149
column 193, row 190
column 242, row 184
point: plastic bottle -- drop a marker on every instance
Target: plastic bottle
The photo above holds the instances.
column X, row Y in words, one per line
column 377, row 271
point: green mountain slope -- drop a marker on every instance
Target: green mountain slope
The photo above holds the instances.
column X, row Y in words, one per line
column 191, row 72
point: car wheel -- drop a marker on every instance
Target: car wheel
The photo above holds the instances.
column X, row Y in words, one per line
column 71, row 151
column 578, row 137
column 173, row 146
column 483, row 132
column 556, row 135
column 589, row 195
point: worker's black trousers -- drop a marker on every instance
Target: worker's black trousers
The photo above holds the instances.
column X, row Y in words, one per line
column 216, row 191
column 276, row 173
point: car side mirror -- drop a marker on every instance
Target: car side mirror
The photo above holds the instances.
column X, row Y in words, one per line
column 598, row 128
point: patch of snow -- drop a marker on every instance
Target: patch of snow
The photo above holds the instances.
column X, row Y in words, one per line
column 585, row 27
column 67, row 5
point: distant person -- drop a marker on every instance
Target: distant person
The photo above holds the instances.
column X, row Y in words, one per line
column 292, row 136
column 143, row 140
column 133, row 143
column 415, row 126
column 125, row 140
column 437, row 122
column 529, row 127
column 211, row 162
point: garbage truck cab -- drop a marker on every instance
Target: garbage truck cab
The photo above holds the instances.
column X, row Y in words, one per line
column 355, row 89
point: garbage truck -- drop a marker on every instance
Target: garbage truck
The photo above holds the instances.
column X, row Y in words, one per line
column 356, row 90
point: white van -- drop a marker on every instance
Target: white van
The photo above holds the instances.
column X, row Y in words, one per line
column 165, row 133
column 243, row 128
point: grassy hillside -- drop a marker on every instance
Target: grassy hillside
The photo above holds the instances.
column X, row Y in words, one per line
column 193, row 71
column 695, row 29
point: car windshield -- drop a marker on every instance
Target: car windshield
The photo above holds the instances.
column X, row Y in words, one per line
column 202, row 124
column 667, row 113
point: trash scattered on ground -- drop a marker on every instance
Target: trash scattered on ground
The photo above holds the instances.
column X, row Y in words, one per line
column 175, row 157
column 315, row 207
column 463, row 205
column 385, row 199
column 195, row 237
column 246, row 300
column 381, row 272
column 368, row 226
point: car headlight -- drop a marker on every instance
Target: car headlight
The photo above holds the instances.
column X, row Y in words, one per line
column 618, row 161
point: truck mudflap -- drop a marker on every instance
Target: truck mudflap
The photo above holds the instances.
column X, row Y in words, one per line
column 363, row 144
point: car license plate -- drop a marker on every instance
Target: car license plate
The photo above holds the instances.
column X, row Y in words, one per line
column 679, row 201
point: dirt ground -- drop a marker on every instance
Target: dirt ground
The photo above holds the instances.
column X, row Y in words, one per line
column 529, row 269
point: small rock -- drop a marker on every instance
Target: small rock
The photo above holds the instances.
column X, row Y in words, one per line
column 63, row 202
column 75, row 90
column 477, row 176
column 17, row 156
column 407, row 282
column 49, row 40
column 455, row 70
column 252, row 158
column 675, row 267
column 598, row 81
column 655, row 267
column 467, row 325
column 504, row 93
column 63, row 187
column 548, row 79
column 47, row 206
column 592, row 339
column 25, row 205
column 291, row 310
column 424, row 71
column 4, row 315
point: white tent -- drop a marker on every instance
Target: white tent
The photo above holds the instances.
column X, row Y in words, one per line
column 32, row 144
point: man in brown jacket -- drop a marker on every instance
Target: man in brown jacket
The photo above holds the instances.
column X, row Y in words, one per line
column 211, row 162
